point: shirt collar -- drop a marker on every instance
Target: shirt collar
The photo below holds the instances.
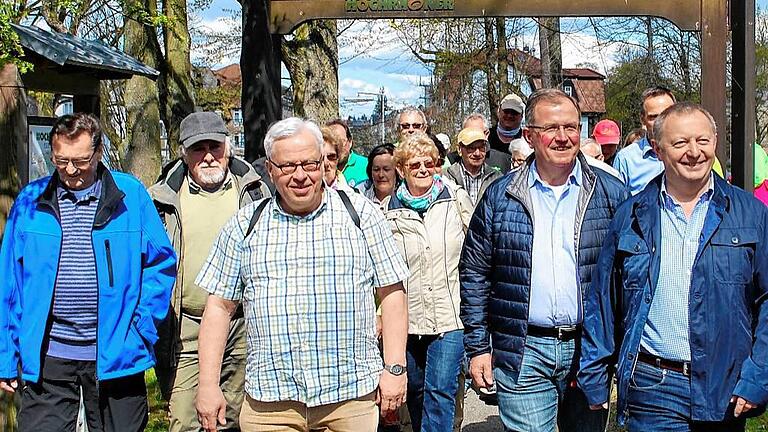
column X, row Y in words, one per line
column 669, row 202
column 574, row 178
column 91, row 193
column 469, row 174
column 646, row 148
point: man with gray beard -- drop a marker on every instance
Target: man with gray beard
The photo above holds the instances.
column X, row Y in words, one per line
column 200, row 192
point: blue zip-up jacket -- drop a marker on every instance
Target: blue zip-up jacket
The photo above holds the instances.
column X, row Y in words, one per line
column 495, row 266
column 135, row 267
column 728, row 315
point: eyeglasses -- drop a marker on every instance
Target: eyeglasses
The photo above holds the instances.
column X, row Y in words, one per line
column 570, row 129
column 411, row 125
column 79, row 164
column 472, row 149
column 332, row 157
column 415, row 166
column 290, row 167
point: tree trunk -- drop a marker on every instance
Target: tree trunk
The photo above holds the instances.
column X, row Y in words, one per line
column 491, row 77
column 551, row 52
column 13, row 135
column 142, row 140
column 175, row 86
column 260, row 67
column 502, row 58
column 312, row 59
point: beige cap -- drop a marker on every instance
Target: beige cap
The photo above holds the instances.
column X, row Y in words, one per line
column 513, row 102
column 469, row 135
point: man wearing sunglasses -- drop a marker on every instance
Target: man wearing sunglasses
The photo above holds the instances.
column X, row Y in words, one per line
column 305, row 267
column 410, row 121
column 87, row 276
column 199, row 194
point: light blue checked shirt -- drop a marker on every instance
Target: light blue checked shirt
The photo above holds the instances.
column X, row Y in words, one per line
column 307, row 287
column 666, row 330
column 638, row 165
column 555, row 295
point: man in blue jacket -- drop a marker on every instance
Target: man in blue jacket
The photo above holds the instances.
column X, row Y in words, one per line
column 527, row 262
column 678, row 299
column 87, row 273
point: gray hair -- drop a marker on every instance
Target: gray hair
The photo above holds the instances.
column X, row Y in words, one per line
column 520, row 145
column 288, row 128
column 412, row 109
column 589, row 143
column 476, row 116
column 681, row 108
column 550, row 95
column 227, row 149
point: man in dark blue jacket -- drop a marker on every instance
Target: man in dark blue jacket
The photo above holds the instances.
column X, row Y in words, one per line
column 678, row 298
column 87, row 275
column 527, row 262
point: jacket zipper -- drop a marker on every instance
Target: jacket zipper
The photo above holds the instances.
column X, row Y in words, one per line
column 109, row 264
column 577, row 241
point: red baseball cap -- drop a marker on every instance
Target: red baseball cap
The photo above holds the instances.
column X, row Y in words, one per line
column 606, row 132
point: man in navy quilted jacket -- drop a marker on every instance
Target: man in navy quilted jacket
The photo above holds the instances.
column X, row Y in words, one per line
column 525, row 268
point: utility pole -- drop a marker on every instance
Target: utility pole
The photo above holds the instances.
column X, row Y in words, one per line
column 383, row 116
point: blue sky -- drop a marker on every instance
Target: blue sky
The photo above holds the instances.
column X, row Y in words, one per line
column 371, row 59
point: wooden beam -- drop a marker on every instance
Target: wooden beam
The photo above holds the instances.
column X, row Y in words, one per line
column 743, row 93
column 714, row 37
column 285, row 15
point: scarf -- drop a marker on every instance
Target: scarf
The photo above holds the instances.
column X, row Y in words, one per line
column 420, row 203
column 507, row 133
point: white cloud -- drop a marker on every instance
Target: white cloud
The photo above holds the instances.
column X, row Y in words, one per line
column 585, row 48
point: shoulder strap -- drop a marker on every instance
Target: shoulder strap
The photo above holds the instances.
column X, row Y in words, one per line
column 256, row 215
column 350, row 209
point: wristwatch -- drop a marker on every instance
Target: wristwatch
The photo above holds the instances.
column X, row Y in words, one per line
column 395, row 369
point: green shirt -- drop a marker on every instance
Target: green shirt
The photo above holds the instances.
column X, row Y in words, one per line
column 761, row 164
column 355, row 171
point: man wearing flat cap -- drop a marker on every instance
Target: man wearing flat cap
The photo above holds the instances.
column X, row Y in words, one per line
column 199, row 193
column 472, row 171
column 509, row 127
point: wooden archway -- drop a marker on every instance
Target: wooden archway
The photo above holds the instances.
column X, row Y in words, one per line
column 713, row 19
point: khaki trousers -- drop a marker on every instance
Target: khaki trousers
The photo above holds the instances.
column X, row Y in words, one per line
column 357, row 415
column 182, row 413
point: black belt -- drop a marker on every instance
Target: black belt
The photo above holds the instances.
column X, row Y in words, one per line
column 560, row 333
column 677, row 366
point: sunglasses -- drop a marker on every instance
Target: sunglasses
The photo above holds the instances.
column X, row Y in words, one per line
column 415, row 166
column 411, row 125
column 332, row 157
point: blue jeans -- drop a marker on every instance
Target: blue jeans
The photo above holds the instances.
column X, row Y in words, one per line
column 434, row 363
column 544, row 395
column 660, row 400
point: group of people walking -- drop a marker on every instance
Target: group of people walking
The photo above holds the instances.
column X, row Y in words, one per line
column 318, row 289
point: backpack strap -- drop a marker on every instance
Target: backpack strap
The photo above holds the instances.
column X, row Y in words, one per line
column 256, row 215
column 350, row 208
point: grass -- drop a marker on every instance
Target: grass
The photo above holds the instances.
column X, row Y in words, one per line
column 158, row 408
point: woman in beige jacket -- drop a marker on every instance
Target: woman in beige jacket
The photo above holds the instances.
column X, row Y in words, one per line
column 429, row 218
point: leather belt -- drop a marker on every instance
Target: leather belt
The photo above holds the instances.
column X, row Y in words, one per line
column 560, row 333
column 677, row 366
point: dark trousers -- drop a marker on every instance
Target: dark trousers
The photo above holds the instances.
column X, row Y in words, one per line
column 52, row 404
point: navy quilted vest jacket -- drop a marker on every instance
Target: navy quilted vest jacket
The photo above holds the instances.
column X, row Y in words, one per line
column 495, row 266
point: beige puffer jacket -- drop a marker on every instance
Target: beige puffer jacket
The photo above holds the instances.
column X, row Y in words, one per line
column 431, row 247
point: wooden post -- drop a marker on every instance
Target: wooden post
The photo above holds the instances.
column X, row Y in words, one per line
column 742, row 93
column 714, row 37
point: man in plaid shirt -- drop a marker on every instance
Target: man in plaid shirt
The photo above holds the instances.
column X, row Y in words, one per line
column 305, row 266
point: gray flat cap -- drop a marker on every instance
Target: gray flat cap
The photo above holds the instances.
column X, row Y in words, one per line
column 201, row 126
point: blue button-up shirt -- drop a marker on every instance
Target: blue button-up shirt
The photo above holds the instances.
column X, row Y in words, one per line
column 666, row 330
column 555, row 295
column 638, row 165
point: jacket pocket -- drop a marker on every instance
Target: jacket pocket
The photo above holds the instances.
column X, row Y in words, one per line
column 108, row 250
column 635, row 261
column 733, row 254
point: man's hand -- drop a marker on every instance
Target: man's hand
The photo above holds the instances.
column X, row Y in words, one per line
column 9, row 385
column 481, row 371
column 391, row 392
column 599, row 407
column 742, row 405
column 211, row 407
